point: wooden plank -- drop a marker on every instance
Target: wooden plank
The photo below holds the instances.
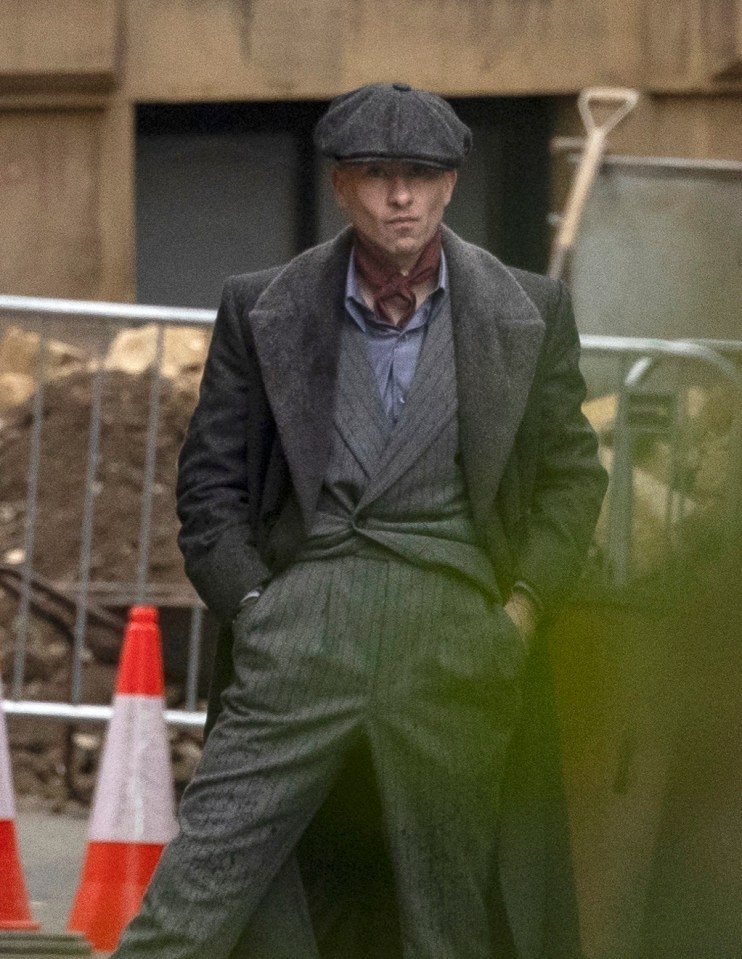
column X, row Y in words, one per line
column 724, row 28
column 65, row 192
column 507, row 46
column 116, row 204
column 692, row 45
column 48, row 44
column 672, row 44
column 231, row 49
column 268, row 49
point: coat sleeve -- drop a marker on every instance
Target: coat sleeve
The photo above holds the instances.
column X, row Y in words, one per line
column 570, row 482
column 213, row 490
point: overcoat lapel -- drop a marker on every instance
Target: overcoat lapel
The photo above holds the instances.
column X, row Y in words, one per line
column 296, row 324
column 497, row 334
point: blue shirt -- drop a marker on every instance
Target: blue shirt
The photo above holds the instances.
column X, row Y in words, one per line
column 393, row 352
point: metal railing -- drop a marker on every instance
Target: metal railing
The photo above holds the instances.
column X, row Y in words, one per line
column 648, row 355
column 638, row 358
column 108, row 317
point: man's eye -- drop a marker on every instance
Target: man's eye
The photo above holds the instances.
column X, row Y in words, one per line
column 422, row 172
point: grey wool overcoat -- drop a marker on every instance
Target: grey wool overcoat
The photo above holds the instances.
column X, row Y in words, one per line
column 254, row 460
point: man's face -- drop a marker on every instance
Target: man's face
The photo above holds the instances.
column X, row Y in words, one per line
column 394, row 206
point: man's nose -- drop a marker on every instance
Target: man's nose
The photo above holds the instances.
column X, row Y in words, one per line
column 399, row 191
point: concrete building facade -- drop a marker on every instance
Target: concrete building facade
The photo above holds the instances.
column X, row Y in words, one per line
column 77, row 80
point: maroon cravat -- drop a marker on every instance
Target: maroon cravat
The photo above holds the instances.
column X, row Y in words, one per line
column 388, row 286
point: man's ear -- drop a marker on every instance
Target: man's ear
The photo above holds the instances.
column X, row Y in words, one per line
column 337, row 177
column 451, row 176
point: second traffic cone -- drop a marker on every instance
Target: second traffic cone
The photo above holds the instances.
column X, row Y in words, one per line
column 14, row 908
column 133, row 807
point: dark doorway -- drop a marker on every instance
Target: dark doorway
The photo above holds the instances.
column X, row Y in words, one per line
column 227, row 188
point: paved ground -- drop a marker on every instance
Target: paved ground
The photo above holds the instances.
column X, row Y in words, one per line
column 52, row 848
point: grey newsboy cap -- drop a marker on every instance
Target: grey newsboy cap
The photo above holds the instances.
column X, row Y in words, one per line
column 391, row 121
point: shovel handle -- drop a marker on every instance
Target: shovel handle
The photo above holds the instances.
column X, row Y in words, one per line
column 597, row 133
column 625, row 101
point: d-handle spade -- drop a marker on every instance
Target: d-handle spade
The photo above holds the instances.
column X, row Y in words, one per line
column 620, row 102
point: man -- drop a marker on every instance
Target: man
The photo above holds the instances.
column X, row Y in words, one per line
column 386, row 483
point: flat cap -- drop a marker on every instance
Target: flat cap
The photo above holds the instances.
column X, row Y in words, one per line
column 391, row 121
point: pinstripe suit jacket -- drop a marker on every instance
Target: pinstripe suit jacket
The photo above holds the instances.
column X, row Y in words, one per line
column 256, row 453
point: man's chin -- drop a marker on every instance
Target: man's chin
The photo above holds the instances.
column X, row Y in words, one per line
column 396, row 249
column 406, row 246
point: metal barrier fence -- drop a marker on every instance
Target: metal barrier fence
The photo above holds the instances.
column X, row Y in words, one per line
column 637, row 409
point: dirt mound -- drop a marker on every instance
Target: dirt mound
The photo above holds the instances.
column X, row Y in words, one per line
column 55, row 763
column 118, row 478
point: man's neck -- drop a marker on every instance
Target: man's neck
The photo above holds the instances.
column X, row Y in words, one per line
column 395, row 296
column 394, row 262
column 422, row 292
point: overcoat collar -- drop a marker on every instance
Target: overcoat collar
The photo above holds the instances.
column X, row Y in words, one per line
column 498, row 332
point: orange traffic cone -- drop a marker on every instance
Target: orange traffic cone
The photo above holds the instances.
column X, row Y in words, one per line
column 133, row 806
column 14, row 909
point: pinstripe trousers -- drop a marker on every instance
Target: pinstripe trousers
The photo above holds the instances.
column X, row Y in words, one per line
column 421, row 663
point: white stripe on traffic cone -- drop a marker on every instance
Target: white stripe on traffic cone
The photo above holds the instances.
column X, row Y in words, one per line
column 133, row 806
